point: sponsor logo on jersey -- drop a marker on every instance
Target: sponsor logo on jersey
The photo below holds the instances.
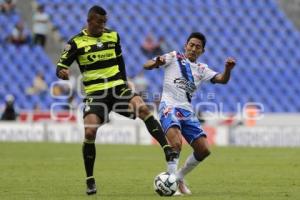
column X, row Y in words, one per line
column 186, row 85
column 99, row 44
column 167, row 110
column 99, row 56
column 111, row 45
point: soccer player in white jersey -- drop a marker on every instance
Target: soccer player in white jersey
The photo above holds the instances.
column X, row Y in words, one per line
column 183, row 75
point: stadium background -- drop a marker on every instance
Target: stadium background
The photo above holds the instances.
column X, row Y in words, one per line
column 263, row 35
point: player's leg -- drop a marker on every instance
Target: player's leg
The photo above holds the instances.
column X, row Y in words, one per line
column 201, row 151
column 175, row 140
column 91, row 124
column 201, row 148
column 172, row 127
column 196, row 137
column 153, row 126
column 95, row 113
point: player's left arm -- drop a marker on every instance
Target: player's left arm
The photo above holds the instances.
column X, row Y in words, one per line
column 158, row 61
column 224, row 77
column 66, row 59
column 120, row 59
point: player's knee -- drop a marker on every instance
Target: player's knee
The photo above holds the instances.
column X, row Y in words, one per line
column 206, row 152
column 174, row 137
column 90, row 133
column 143, row 111
column 177, row 146
column 202, row 154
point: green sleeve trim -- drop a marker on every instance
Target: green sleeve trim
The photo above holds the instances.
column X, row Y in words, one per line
column 62, row 65
column 148, row 116
column 124, row 92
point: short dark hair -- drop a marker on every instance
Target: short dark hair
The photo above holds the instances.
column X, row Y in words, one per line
column 199, row 36
column 97, row 9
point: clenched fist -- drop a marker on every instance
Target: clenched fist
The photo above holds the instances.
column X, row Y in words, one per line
column 230, row 63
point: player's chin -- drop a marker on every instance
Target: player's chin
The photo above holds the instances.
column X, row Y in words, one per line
column 100, row 30
column 192, row 58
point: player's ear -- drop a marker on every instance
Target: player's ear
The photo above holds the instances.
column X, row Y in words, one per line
column 88, row 19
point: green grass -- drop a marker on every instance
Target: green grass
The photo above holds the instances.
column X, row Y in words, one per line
column 55, row 171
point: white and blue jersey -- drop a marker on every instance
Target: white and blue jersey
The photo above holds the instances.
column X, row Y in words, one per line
column 181, row 80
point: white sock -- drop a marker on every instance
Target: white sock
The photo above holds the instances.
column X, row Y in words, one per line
column 172, row 166
column 188, row 166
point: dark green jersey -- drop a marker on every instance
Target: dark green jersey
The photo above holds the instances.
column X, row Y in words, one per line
column 99, row 58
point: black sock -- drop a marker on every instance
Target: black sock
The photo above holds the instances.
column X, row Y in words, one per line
column 155, row 130
column 89, row 155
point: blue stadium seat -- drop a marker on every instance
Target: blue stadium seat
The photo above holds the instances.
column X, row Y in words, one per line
column 252, row 27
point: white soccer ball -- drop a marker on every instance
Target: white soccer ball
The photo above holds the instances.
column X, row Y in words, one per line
column 165, row 184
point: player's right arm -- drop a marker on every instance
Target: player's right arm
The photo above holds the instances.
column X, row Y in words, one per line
column 155, row 63
column 224, row 77
column 66, row 59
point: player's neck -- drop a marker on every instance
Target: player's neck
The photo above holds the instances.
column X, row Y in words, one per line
column 186, row 56
column 91, row 34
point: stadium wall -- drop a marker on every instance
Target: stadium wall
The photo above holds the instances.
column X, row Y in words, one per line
column 120, row 130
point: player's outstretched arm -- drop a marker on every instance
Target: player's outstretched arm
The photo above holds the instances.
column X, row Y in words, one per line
column 224, row 77
column 150, row 64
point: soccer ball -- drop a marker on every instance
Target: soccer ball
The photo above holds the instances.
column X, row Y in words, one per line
column 165, row 184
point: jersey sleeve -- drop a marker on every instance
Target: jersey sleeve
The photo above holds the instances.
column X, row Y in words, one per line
column 68, row 55
column 168, row 57
column 208, row 73
column 120, row 59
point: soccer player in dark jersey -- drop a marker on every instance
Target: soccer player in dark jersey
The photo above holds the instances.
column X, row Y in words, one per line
column 97, row 51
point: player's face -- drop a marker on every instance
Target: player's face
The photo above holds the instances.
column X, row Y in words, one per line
column 193, row 49
column 96, row 24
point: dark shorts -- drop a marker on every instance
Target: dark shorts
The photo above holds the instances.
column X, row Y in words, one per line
column 114, row 99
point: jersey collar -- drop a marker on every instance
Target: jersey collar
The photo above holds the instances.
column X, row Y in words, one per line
column 84, row 31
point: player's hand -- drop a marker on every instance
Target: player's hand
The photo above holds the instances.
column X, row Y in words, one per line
column 230, row 63
column 63, row 74
column 160, row 60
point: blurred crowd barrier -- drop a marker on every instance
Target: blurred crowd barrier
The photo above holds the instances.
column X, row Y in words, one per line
column 39, row 127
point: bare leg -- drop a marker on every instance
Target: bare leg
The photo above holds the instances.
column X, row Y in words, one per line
column 91, row 124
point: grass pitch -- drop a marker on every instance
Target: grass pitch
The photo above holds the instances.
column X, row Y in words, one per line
column 55, row 171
